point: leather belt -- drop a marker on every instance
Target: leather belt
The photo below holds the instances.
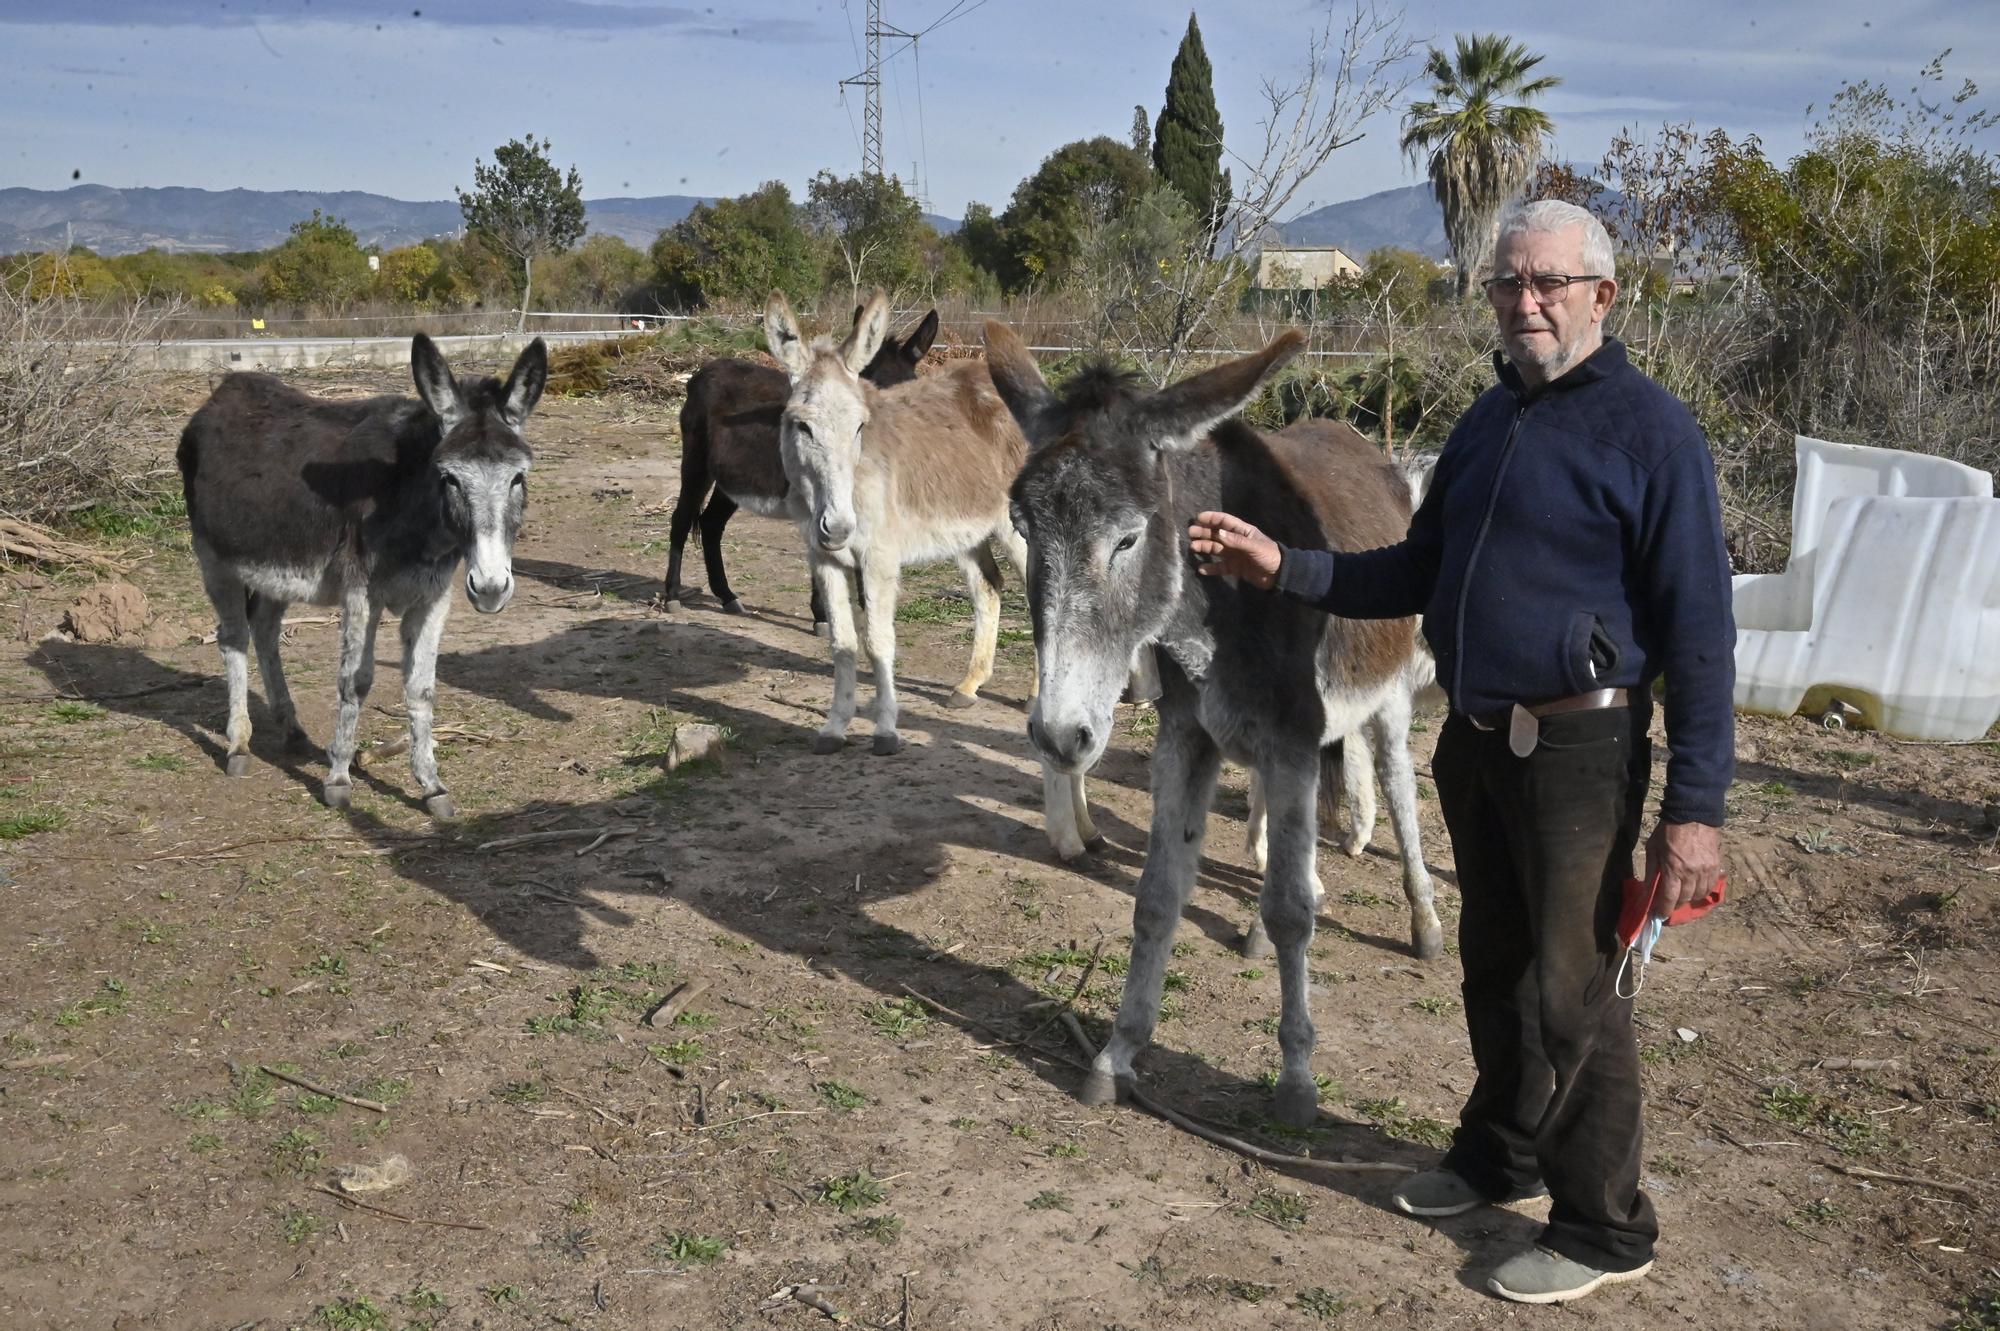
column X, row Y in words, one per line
column 1593, row 701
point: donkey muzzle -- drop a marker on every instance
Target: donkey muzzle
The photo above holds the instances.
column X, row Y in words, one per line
column 489, row 596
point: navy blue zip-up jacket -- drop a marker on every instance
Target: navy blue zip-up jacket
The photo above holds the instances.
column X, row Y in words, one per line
column 1571, row 540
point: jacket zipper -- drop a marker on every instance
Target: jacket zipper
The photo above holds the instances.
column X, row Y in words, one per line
column 1472, row 560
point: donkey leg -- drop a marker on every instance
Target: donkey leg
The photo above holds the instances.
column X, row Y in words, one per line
column 686, row 508
column 423, row 626
column 1015, row 547
column 232, row 639
column 834, row 583
column 982, row 580
column 359, row 615
column 713, row 519
column 1286, row 913
column 881, row 576
column 1256, row 828
column 1185, row 764
column 1390, row 736
column 267, row 622
column 1357, row 789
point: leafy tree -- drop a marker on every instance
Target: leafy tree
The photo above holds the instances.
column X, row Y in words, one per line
column 1142, row 131
column 1401, row 278
column 1187, row 142
column 1078, row 186
column 980, row 239
column 320, row 263
column 409, row 275
column 876, row 228
column 739, row 249
column 523, row 207
column 602, row 273
column 1482, row 146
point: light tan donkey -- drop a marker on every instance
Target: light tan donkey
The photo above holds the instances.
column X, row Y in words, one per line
column 881, row 479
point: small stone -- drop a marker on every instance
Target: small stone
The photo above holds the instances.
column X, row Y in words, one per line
column 696, row 739
column 1688, row 1035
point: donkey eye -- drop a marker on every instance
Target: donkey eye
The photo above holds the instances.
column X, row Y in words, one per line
column 1130, row 539
column 520, row 480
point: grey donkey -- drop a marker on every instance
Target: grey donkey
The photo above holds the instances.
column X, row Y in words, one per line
column 1104, row 502
column 368, row 505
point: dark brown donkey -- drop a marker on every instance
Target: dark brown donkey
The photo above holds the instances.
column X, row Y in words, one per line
column 729, row 444
column 1104, row 502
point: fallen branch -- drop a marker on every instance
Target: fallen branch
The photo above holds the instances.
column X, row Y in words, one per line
column 208, row 639
column 39, row 545
column 810, row 1296
column 676, row 1002
column 316, row 1089
column 395, row 1215
column 544, row 838
column 1914, row 1180
column 1856, row 1064
column 111, row 697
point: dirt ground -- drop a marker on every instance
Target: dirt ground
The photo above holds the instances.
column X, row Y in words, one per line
column 1820, row 1057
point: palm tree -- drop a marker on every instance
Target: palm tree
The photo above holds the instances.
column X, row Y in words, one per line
column 1483, row 139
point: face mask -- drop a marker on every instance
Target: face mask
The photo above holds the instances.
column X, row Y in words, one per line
column 1639, row 929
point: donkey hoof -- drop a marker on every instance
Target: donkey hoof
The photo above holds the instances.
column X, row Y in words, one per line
column 338, row 794
column 734, row 606
column 822, row 629
column 672, row 607
column 1101, row 1088
column 958, row 701
column 440, row 805
column 1428, row 939
column 238, row 764
column 825, row 743
column 1353, row 846
column 884, row 745
column 1295, row 1106
column 1257, row 943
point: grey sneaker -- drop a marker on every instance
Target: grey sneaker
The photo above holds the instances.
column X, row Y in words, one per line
column 1440, row 1192
column 1541, row 1276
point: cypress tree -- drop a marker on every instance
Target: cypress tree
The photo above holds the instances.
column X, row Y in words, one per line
column 1187, row 141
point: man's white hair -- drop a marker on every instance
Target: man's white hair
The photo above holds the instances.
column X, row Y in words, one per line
column 1553, row 216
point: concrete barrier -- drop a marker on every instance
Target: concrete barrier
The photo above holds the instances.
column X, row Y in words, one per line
column 305, row 353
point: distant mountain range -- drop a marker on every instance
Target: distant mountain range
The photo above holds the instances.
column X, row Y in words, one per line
column 125, row 221
column 1406, row 217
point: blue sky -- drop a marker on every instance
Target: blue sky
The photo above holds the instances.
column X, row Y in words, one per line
column 399, row 96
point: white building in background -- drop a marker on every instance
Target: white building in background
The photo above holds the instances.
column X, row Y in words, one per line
column 1304, row 267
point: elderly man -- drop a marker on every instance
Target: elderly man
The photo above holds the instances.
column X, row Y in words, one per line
column 1569, row 553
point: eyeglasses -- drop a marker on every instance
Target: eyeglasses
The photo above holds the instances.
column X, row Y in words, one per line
column 1548, row 287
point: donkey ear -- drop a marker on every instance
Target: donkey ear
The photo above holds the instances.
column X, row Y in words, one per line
column 1181, row 416
column 918, row 344
column 1019, row 381
column 781, row 334
column 870, row 328
column 524, row 386
column 434, row 382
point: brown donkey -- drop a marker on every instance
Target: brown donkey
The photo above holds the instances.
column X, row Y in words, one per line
column 884, row 479
column 1105, row 501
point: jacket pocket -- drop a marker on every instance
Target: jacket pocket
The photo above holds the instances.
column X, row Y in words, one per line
column 1590, row 654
